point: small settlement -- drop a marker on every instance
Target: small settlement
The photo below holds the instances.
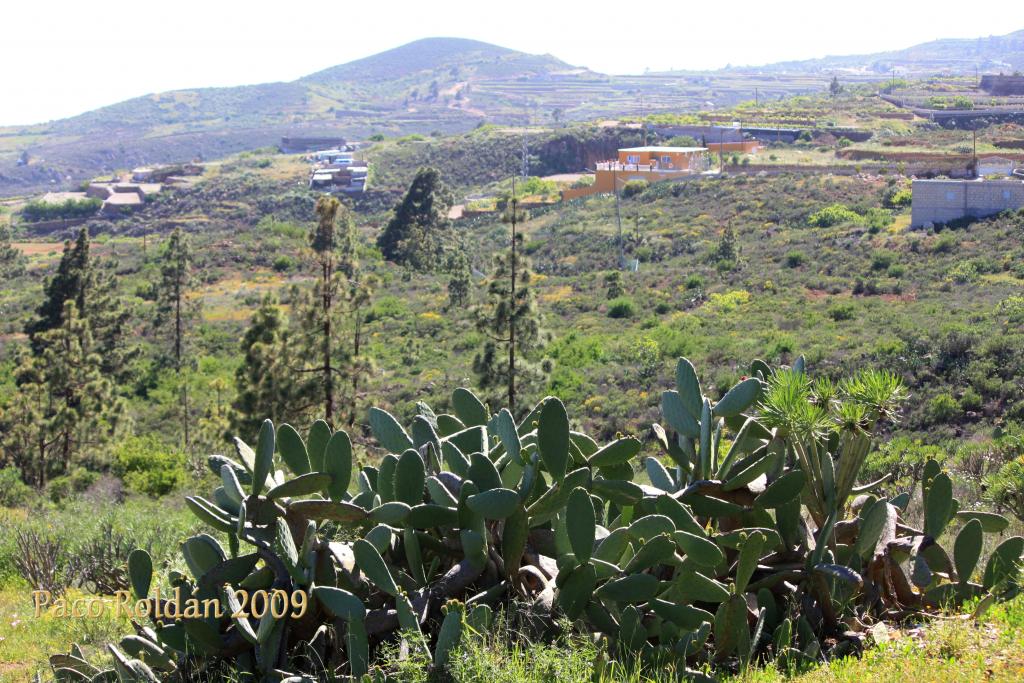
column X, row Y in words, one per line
column 333, row 165
column 123, row 194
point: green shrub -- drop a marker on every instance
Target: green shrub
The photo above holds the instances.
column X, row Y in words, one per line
column 72, row 208
column 694, row 282
column 964, row 272
column 832, row 215
column 896, row 197
column 971, row 400
column 621, row 307
column 901, row 458
column 1005, row 488
column 633, row 188
column 843, row 311
column 877, row 219
column 148, row 466
column 943, row 408
column 68, row 487
column 13, row 491
column 882, row 259
column 284, row 263
column 795, row 258
column 945, row 244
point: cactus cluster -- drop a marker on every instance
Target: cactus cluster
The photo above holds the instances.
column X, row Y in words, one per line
column 746, row 546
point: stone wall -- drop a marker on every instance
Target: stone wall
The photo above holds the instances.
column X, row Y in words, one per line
column 942, row 201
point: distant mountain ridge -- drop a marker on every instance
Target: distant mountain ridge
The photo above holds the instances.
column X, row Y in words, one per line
column 431, row 85
column 948, row 54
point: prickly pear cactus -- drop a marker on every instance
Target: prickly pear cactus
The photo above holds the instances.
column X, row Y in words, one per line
column 713, row 562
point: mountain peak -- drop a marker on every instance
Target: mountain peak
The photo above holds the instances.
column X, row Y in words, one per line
column 425, row 54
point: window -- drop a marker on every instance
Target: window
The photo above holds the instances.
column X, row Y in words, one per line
column 632, row 158
column 666, row 159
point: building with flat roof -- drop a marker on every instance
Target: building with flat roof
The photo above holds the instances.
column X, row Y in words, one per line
column 943, row 201
column 649, row 163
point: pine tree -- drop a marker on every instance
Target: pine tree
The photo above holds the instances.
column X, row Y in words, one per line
column 511, row 321
column 265, row 386
column 175, row 314
column 79, row 280
column 419, row 229
column 65, row 408
column 175, row 311
column 12, row 261
column 321, row 316
column 459, row 281
column 74, row 278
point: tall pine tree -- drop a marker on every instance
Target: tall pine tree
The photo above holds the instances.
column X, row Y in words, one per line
column 79, row 280
column 419, row 230
column 65, row 409
column 510, row 320
column 12, row 261
column 175, row 310
column 265, row 384
column 175, row 315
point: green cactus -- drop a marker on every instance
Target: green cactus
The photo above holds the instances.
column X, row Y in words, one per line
column 479, row 511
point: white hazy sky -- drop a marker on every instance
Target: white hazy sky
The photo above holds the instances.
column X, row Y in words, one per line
column 63, row 57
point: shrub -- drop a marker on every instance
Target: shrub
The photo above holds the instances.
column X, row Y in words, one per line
column 148, row 466
column 70, row 485
column 622, row 307
column 843, row 311
column 963, row 273
column 877, row 219
column 832, row 215
column 13, row 491
column 943, row 408
column 633, row 188
column 71, row 208
column 283, row 263
column 694, row 282
column 896, row 197
column 1005, row 488
column 795, row 258
column 901, row 458
column 971, row 400
column 882, row 259
column 945, row 244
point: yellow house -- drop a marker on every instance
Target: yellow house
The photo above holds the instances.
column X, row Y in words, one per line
column 661, row 158
column 651, row 164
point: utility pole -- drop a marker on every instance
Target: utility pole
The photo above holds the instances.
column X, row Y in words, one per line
column 721, row 149
column 643, row 120
column 618, row 215
column 974, row 133
column 512, row 308
column 526, row 159
column 756, row 99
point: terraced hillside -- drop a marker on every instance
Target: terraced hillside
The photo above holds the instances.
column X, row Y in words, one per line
column 437, row 84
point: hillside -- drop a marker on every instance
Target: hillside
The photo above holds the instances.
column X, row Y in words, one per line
column 731, row 268
column 951, row 55
column 441, row 85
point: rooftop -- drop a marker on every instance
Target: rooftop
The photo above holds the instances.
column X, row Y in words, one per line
column 666, row 150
